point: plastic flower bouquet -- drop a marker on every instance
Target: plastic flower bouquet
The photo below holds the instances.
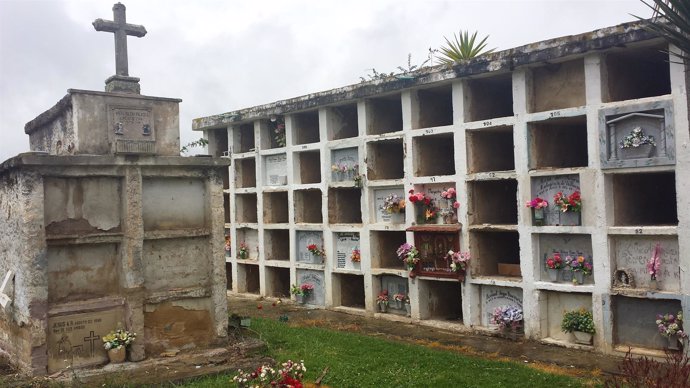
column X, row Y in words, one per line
column 393, row 203
column 555, row 261
column 118, row 338
column 507, row 317
column 537, row 203
column 568, row 203
column 670, row 325
column 356, row 256
column 409, row 255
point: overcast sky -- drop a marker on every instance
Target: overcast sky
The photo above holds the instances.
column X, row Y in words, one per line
column 219, row 56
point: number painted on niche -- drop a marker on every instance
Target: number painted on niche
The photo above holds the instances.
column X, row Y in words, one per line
column 554, row 114
column 304, row 147
column 487, row 123
column 433, row 179
column 492, row 175
column 428, row 131
column 639, row 231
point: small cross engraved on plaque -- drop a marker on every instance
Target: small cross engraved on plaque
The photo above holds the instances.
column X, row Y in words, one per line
column 120, row 28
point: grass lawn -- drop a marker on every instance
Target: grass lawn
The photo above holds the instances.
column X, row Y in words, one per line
column 356, row 360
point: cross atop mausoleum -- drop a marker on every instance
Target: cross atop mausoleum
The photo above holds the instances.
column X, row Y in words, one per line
column 121, row 81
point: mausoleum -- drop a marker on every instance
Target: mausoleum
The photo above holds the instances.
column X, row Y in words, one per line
column 594, row 124
column 100, row 222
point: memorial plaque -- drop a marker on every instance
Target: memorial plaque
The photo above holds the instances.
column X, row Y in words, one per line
column 305, row 238
column 131, row 123
column 547, row 186
column 493, row 297
column 394, row 285
column 74, row 340
column 345, row 243
column 379, row 197
column 315, row 278
column 347, row 157
column 275, row 173
column 572, row 245
column 633, row 253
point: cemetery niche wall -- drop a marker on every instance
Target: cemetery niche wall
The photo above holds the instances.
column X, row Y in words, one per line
column 100, row 222
column 591, row 127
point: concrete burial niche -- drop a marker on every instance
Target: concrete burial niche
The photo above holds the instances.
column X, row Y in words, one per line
column 493, row 297
column 304, row 238
column 268, row 135
column 243, row 138
column 556, row 304
column 572, row 245
column 546, row 187
column 349, row 290
column 248, row 278
column 226, row 208
column 275, row 170
column 557, row 86
column 345, row 244
column 634, row 321
column 277, row 244
column 246, row 209
column 636, row 73
column 307, row 167
column 342, row 122
column 245, row 173
column 443, row 300
column 278, row 282
column 317, row 279
column 495, row 253
column 558, row 143
column 433, row 155
column 633, row 252
column 657, row 191
column 228, row 276
column 250, row 237
column 384, row 115
column 380, row 214
column 493, row 202
column 344, row 206
column 383, row 247
column 435, row 107
column 305, row 128
column 347, row 158
column 488, row 98
column 496, row 141
column 385, row 159
column 276, row 207
column 394, row 285
column 308, row 206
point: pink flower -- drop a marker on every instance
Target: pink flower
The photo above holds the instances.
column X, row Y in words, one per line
column 456, row 204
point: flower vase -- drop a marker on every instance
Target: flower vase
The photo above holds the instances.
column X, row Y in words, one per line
column 569, row 218
column 640, row 152
column 350, row 175
column 399, row 304
column 117, row 355
column 554, row 274
column 397, row 218
column 512, row 332
column 300, row 299
column 408, row 309
column 582, row 338
column 340, row 176
column 579, row 277
column 653, row 284
column 383, row 307
column 419, row 214
column 673, row 342
column 538, row 216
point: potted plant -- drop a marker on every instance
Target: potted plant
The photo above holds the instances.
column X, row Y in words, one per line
column 554, row 264
column 424, row 206
column 382, row 301
column 243, row 252
column 637, row 145
column 116, row 344
column 449, row 212
column 671, row 328
column 302, row 292
column 580, row 268
column 394, row 205
column 538, row 206
column 570, row 206
column 458, row 263
column 509, row 320
column 653, row 267
column 318, row 254
column 409, row 256
column 399, row 299
column 580, row 323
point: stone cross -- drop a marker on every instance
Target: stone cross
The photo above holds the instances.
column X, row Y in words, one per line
column 121, row 29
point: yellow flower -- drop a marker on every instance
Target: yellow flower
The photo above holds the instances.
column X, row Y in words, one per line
column 580, row 259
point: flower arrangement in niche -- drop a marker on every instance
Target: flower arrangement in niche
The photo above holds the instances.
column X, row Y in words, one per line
column 426, row 210
column 451, row 195
column 243, row 251
column 568, row 203
column 555, row 261
column 537, row 203
column 580, row 268
column 118, row 339
column 393, row 203
column 355, row 256
column 459, row 261
column 290, row 374
column 636, row 138
column 654, row 263
column 314, row 250
column 409, row 255
column 578, row 320
column 382, row 301
column 670, row 325
column 278, row 130
column 538, row 206
column 304, row 289
column 507, row 317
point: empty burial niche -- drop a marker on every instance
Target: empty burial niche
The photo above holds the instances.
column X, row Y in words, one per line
column 248, row 281
column 497, row 253
column 350, row 289
column 277, row 244
column 276, row 207
column 308, row 206
column 644, row 199
column 308, row 167
column 278, row 282
column 342, row 122
column 226, row 208
column 489, row 98
column 384, row 115
column 435, row 107
column 558, row 86
column 497, row 142
column 345, row 206
column 218, row 143
column 228, row 276
column 493, row 202
column 442, row 301
column 305, row 127
column 245, row 173
column 632, row 317
column 433, row 155
column 385, row 159
column 243, row 138
column 383, row 247
column 273, row 133
column 246, row 210
column 558, row 143
column 637, row 73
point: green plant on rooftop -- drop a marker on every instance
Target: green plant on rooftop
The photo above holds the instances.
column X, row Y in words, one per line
column 463, row 46
column 672, row 23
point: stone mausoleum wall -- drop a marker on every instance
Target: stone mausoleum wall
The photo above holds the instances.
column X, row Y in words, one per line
column 501, row 129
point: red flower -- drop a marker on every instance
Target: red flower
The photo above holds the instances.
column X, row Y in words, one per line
column 311, row 247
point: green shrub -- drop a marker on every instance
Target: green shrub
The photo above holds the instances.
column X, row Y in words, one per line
column 578, row 320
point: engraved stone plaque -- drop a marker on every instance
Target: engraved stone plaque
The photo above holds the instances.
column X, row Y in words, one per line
column 305, row 238
column 633, row 253
column 275, row 170
column 547, row 186
column 75, row 339
column 493, row 297
column 381, row 214
column 345, row 243
column 315, row 278
column 131, row 130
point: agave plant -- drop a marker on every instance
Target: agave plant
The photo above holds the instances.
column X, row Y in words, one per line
column 673, row 25
column 463, row 46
